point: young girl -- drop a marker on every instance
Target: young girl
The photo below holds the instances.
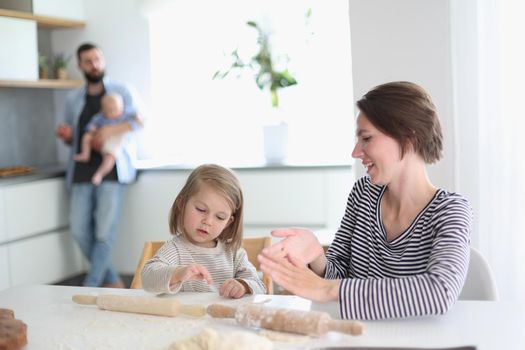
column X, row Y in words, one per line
column 205, row 254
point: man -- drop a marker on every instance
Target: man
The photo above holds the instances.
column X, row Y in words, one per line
column 95, row 209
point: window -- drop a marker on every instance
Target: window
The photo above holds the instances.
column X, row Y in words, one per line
column 198, row 119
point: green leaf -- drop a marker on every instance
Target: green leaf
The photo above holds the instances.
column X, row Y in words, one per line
column 262, row 64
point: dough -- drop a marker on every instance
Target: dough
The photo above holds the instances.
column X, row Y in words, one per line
column 284, row 337
column 6, row 314
column 13, row 332
column 210, row 339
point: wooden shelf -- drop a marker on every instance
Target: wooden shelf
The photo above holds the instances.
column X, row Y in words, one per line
column 44, row 21
column 42, row 84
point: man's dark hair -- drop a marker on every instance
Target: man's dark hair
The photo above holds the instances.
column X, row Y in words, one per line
column 85, row 47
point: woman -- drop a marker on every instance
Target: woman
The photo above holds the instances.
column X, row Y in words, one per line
column 402, row 248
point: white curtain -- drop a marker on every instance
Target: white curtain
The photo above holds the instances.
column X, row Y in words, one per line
column 489, row 75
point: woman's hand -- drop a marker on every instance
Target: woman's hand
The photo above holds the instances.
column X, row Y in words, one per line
column 295, row 277
column 232, row 288
column 193, row 272
column 298, row 243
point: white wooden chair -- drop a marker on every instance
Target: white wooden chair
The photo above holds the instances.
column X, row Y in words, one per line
column 480, row 283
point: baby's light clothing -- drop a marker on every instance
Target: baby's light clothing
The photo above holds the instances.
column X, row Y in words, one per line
column 113, row 144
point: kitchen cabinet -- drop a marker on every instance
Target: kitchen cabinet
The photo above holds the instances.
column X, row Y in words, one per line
column 4, row 268
column 19, row 48
column 35, row 207
column 35, row 244
column 44, row 259
column 3, row 232
column 67, row 9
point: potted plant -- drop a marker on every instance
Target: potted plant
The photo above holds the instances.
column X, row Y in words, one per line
column 43, row 67
column 60, row 65
column 263, row 63
column 267, row 76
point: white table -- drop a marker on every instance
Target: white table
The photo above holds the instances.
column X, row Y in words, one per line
column 55, row 322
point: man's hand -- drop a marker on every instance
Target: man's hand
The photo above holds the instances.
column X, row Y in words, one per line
column 102, row 134
column 64, row 132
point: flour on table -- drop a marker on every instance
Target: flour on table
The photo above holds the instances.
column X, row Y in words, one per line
column 284, row 337
column 209, row 339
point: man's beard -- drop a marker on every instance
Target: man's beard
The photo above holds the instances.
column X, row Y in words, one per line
column 92, row 78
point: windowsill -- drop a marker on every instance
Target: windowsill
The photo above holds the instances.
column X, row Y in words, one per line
column 161, row 165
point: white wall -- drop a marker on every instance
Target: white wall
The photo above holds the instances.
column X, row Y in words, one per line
column 391, row 40
column 407, row 40
column 121, row 30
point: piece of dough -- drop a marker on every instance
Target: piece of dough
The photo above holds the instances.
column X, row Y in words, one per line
column 210, row 339
column 13, row 332
column 284, row 337
column 6, row 314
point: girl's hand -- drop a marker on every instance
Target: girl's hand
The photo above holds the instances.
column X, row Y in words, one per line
column 191, row 272
column 298, row 243
column 294, row 276
column 232, row 289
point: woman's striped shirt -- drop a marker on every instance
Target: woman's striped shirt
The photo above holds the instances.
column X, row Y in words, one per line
column 220, row 261
column 421, row 272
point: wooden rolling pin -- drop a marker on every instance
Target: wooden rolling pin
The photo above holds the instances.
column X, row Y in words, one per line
column 141, row 305
column 285, row 320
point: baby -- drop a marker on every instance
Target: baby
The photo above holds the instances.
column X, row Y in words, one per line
column 112, row 112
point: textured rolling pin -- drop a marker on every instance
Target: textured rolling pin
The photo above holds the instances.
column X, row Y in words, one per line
column 284, row 320
column 140, row 305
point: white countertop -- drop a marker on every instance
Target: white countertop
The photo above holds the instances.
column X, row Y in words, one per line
column 55, row 322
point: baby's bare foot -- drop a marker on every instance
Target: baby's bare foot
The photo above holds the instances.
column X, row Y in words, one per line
column 81, row 157
column 96, row 179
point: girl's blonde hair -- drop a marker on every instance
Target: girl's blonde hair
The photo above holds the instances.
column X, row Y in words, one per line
column 226, row 184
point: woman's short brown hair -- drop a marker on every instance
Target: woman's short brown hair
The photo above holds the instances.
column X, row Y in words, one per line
column 405, row 112
column 226, row 184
